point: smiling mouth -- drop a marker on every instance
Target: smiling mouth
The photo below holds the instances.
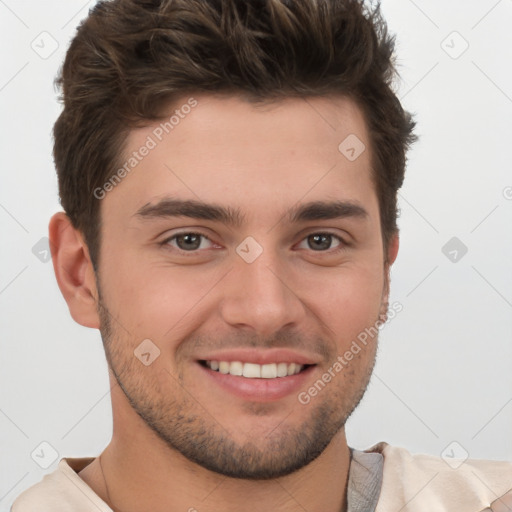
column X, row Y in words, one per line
column 255, row 371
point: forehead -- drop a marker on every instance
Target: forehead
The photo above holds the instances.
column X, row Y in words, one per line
column 257, row 157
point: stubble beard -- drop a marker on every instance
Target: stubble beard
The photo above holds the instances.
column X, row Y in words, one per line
column 185, row 426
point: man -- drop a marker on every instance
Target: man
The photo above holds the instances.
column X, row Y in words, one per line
column 229, row 173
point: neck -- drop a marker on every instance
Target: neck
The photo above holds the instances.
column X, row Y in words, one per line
column 141, row 472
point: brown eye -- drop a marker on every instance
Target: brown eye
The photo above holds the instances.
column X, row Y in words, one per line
column 319, row 242
column 188, row 242
column 322, row 242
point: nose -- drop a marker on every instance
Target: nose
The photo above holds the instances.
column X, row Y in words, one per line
column 259, row 296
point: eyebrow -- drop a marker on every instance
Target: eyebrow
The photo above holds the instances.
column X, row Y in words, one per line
column 315, row 210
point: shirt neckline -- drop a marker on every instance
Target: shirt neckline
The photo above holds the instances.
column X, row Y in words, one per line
column 363, row 487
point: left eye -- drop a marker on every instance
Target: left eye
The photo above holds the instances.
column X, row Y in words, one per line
column 321, row 241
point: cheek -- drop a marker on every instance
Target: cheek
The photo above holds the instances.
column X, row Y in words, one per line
column 351, row 302
column 155, row 300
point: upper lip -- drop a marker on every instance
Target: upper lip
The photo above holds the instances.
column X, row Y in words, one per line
column 260, row 356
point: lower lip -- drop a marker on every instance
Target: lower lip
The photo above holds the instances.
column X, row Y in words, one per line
column 259, row 390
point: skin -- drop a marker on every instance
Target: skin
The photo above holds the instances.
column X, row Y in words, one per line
column 263, row 160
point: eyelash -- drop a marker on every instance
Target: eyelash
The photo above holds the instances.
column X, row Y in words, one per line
column 342, row 244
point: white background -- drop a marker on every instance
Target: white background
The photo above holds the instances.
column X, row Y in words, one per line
column 444, row 367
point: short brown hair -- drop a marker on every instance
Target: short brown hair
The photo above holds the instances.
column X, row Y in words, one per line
column 129, row 58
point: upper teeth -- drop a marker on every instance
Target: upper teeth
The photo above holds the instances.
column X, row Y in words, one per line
column 255, row 371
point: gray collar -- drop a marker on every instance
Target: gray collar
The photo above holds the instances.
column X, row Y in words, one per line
column 364, row 481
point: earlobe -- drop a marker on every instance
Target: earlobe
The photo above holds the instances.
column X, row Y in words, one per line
column 74, row 270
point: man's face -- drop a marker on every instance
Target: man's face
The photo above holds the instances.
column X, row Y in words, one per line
column 284, row 284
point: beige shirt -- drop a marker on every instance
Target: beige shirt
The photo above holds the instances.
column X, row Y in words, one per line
column 382, row 479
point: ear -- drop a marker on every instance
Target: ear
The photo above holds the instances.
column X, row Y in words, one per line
column 392, row 249
column 73, row 270
column 392, row 253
